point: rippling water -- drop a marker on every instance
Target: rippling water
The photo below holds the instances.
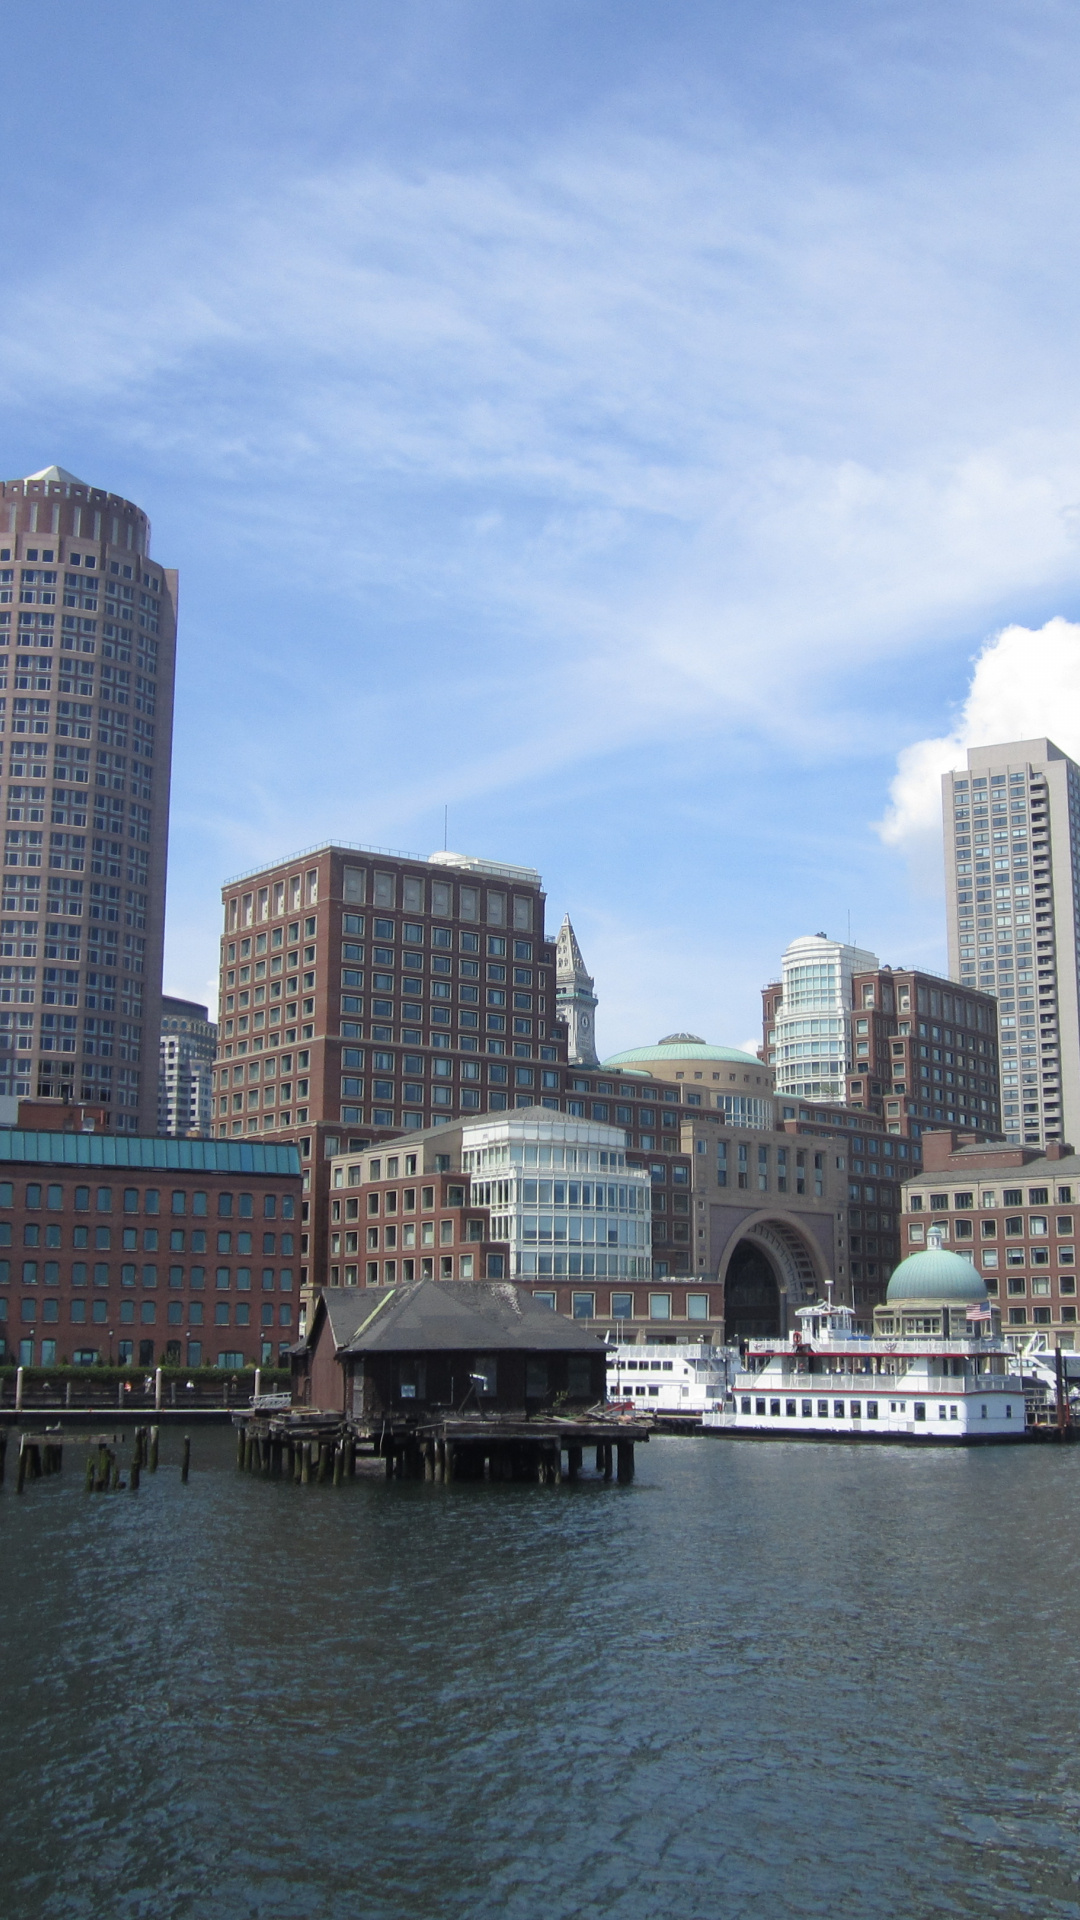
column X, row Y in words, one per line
column 765, row 1680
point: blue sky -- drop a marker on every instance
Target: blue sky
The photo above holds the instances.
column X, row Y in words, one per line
column 623, row 425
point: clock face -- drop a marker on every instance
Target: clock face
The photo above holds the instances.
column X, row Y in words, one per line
column 584, row 1020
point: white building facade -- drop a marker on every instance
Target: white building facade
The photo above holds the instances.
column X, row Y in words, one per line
column 811, row 1043
column 1012, row 878
column 562, row 1196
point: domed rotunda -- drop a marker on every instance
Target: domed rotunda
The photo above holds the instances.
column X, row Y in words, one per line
column 935, row 1292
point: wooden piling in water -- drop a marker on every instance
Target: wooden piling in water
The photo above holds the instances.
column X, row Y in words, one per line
column 626, row 1461
column 133, row 1476
column 88, row 1485
column 20, row 1476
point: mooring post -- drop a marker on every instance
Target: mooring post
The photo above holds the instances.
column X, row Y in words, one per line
column 20, row 1476
column 607, row 1459
column 154, row 1431
column 19, row 1390
column 88, row 1484
column 258, row 1383
column 67, row 1394
column 157, row 1388
column 102, row 1481
column 339, row 1452
column 450, row 1459
column 185, row 1463
column 305, row 1471
column 133, row 1476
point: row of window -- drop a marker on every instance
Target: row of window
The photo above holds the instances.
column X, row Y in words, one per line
column 178, row 1313
column 130, row 1274
column 40, row 1194
column 1037, row 1227
column 1010, row 1197
column 849, row 1409
column 180, row 1240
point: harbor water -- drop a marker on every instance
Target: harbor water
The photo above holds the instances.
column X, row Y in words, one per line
column 765, row 1680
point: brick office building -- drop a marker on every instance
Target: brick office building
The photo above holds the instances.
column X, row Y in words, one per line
column 1013, row 1211
column 146, row 1251
column 87, row 655
column 365, row 995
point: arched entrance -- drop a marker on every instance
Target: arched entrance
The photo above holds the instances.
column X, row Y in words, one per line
column 773, row 1268
column 751, row 1296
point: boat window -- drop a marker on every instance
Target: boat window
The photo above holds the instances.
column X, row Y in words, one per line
column 823, row 1409
column 920, row 1410
column 774, row 1406
column 838, row 1409
column 871, row 1409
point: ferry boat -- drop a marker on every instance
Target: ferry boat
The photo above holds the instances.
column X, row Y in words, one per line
column 935, row 1371
column 682, row 1381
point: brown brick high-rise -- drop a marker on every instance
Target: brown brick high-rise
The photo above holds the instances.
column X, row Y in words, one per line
column 87, row 651
column 365, row 995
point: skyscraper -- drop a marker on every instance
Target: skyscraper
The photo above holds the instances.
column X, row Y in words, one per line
column 185, row 1084
column 809, row 1040
column 1012, row 882
column 87, row 650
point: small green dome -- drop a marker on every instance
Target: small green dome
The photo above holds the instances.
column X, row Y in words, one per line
column 936, row 1275
column 682, row 1047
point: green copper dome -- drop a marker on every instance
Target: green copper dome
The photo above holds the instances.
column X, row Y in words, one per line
column 936, row 1275
column 682, row 1046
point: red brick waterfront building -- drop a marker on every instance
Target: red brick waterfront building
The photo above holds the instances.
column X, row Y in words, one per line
column 145, row 1251
column 1014, row 1211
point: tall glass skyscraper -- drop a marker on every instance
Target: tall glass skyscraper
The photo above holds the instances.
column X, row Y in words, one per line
column 1012, row 875
column 87, row 654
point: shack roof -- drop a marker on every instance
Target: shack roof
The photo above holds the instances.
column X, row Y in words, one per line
column 450, row 1316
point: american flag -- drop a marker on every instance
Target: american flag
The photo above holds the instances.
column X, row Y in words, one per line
column 980, row 1313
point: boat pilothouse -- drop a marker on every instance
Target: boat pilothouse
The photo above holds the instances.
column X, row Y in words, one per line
column 935, row 1369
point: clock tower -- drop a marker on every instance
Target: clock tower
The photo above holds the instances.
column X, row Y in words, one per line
column 575, row 1000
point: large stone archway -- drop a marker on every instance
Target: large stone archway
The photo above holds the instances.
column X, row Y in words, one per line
column 770, row 1270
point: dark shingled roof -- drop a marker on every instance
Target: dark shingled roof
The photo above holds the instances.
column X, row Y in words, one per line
column 454, row 1316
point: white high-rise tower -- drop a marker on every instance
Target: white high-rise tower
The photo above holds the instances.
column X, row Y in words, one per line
column 1012, row 882
column 813, row 1049
column 575, row 1000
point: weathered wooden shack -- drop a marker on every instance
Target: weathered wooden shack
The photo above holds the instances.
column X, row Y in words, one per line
column 414, row 1352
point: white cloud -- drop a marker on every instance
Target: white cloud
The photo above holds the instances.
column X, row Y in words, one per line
column 1025, row 686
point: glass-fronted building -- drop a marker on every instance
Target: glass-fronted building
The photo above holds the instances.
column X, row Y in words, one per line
column 561, row 1196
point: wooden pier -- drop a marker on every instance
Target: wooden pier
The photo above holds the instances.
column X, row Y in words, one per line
column 314, row 1447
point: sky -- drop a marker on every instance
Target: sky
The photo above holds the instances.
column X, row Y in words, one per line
column 646, row 437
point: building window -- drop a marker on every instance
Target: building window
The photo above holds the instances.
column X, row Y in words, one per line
column 584, row 1306
column 660, row 1306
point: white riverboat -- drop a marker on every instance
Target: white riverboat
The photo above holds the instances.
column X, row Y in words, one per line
column 686, row 1379
column 935, row 1370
